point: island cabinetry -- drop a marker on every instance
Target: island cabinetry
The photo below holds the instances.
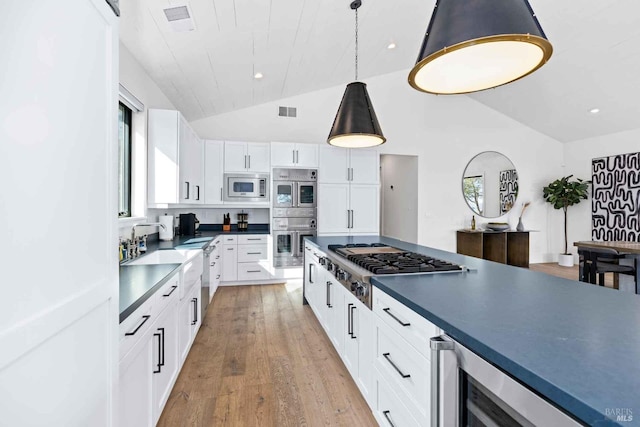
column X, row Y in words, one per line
column 402, row 362
column 506, row 247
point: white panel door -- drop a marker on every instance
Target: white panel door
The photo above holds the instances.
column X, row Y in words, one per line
column 333, row 164
column 307, row 155
column 282, row 154
column 196, row 165
column 351, row 334
column 365, row 166
column 365, row 209
column 333, row 206
column 365, row 331
column 235, row 156
column 58, row 142
column 259, row 157
column 229, row 263
column 185, row 175
column 185, row 316
column 213, row 171
column 135, row 392
column 165, row 361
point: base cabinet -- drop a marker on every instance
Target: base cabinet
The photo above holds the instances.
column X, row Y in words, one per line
column 188, row 321
column 165, row 357
column 135, row 396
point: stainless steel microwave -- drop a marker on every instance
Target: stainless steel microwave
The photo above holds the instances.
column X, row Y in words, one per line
column 246, row 187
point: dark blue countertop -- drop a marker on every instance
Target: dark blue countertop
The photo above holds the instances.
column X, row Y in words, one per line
column 576, row 344
column 139, row 282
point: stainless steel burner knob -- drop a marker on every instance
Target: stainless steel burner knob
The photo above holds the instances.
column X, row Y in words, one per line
column 322, row 261
column 362, row 291
column 354, row 286
column 342, row 275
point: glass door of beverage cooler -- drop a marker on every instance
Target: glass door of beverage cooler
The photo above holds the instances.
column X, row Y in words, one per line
column 284, row 247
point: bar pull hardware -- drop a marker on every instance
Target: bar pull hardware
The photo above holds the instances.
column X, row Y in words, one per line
column 254, row 253
column 145, row 317
column 387, row 310
column 230, row 249
column 220, row 193
column 329, row 295
column 386, row 415
column 249, row 161
column 353, row 334
column 195, row 310
column 402, row 374
column 173, row 288
column 310, row 276
column 293, row 155
column 197, row 192
column 245, row 161
column 188, row 189
column 159, row 352
column 437, row 345
column 257, row 238
column 349, row 325
column 253, row 271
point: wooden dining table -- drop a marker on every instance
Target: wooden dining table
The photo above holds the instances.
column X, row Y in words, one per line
column 625, row 248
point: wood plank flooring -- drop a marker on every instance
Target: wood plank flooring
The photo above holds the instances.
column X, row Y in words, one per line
column 554, row 269
column 262, row 359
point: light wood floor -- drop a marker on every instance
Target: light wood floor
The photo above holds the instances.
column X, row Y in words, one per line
column 566, row 272
column 262, row 359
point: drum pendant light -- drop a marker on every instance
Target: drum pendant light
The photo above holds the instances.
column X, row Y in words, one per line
column 356, row 124
column 472, row 45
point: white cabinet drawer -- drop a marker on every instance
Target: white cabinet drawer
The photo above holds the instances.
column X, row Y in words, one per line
column 136, row 326
column 391, row 411
column 191, row 273
column 254, row 239
column 166, row 294
column 230, row 240
column 404, row 368
column 252, row 271
column 410, row 325
column 252, row 253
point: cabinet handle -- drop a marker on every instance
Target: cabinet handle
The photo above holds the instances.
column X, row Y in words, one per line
column 297, row 156
column 254, row 271
column 349, row 325
column 162, row 353
column 257, row 238
column 249, row 161
column 220, row 193
column 230, row 249
column 245, row 161
column 348, row 219
column 386, row 415
column 353, row 334
column 173, row 288
column 293, row 155
column 329, row 295
column 197, row 192
column 187, row 182
column 145, row 318
column 254, row 253
column 195, row 310
column 217, row 277
column 402, row 374
column 159, row 352
column 388, row 311
column 310, row 276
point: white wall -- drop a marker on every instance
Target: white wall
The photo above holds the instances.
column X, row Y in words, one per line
column 444, row 131
column 399, row 204
column 138, row 82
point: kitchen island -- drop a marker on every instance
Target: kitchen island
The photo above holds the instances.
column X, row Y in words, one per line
column 575, row 344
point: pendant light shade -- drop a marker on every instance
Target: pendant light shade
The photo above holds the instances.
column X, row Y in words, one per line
column 479, row 44
column 356, row 124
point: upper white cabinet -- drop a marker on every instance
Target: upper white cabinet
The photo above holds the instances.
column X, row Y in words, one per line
column 287, row 154
column 348, row 209
column 246, row 157
column 175, row 160
column 213, row 171
column 340, row 165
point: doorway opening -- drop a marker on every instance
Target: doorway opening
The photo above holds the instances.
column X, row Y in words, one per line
column 399, row 197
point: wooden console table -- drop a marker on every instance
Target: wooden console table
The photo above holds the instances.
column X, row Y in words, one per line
column 506, row 247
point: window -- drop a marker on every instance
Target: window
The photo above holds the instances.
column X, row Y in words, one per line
column 124, row 161
column 473, row 190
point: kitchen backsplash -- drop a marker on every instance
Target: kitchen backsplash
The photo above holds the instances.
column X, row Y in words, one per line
column 213, row 216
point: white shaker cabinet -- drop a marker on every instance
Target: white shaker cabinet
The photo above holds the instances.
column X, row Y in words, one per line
column 166, row 362
column 213, row 172
column 348, row 209
column 175, row 170
column 288, row 154
column 135, row 389
column 341, row 165
column 230, row 259
column 246, row 157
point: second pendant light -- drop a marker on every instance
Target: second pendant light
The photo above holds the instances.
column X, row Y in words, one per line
column 356, row 124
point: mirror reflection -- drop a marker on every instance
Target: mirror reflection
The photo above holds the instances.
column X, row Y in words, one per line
column 490, row 184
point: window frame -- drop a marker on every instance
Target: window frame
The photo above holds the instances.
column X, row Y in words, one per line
column 128, row 166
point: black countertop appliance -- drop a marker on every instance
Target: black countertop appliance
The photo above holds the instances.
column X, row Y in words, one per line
column 188, row 224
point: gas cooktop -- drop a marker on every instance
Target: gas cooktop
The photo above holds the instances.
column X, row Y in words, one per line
column 382, row 259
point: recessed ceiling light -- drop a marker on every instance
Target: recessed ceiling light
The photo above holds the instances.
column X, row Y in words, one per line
column 391, row 46
column 258, row 76
column 594, row 110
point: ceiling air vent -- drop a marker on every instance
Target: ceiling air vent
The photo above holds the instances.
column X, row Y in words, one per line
column 179, row 18
column 287, row 111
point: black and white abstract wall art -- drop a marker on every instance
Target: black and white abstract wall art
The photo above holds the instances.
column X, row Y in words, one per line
column 615, row 201
column 508, row 190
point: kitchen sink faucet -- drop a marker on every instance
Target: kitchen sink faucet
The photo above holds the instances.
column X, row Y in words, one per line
column 145, row 224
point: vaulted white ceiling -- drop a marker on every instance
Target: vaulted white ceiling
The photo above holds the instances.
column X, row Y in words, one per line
column 306, row 45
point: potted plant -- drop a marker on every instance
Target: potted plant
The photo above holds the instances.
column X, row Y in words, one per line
column 563, row 193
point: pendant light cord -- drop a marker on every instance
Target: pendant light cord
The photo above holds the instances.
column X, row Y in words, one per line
column 356, row 44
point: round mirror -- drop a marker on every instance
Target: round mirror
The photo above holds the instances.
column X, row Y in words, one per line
column 490, row 184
